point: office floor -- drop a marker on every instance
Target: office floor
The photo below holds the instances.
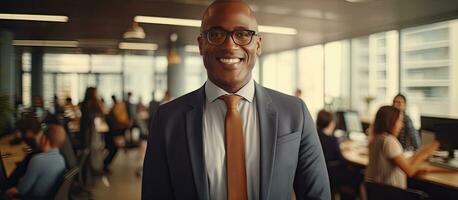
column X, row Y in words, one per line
column 122, row 183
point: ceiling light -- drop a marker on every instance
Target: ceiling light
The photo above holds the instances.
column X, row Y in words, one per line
column 138, row 46
column 277, row 30
column 134, row 32
column 197, row 23
column 168, row 21
column 45, row 43
column 47, row 18
column 191, row 48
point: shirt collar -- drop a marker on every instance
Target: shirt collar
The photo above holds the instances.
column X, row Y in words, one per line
column 212, row 91
column 53, row 151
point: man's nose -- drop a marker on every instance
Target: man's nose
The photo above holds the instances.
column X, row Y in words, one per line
column 229, row 43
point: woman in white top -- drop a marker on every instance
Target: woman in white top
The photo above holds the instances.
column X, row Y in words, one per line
column 387, row 163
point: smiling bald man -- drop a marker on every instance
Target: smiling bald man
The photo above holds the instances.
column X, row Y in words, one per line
column 232, row 138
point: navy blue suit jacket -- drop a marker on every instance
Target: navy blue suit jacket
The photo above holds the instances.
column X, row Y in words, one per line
column 291, row 156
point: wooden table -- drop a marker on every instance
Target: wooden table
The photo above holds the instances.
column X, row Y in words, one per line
column 11, row 154
column 357, row 153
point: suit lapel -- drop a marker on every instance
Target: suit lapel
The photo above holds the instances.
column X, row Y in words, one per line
column 268, row 120
column 195, row 143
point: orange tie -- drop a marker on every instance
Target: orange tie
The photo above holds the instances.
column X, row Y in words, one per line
column 235, row 150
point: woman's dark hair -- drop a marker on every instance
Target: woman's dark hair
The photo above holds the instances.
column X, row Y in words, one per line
column 324, row 119
column 385, row 119
column 402, row 96
column 90, row 95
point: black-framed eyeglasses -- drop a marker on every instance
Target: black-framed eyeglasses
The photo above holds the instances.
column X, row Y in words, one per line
column 217, row 36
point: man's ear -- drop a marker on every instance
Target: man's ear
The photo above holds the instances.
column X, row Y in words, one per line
column 200, row 41
column 258, row 47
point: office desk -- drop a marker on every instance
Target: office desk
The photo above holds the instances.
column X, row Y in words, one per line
column 358, row 153
column 11, row 154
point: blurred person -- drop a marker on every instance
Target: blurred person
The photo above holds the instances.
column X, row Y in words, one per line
column 38, row 107
column 387, row 164
column 187, row 155
column 167, row 97
column 142, row 116
column 71, row 115
column 153, row 106
column 57, row 108
column 118, row 123
column 343, row 178
column 29, row 130
column 142, row 110
column 70, row 111
column 408, row 136
column 131, row 111
column 134, row 124
column 298, row 93
column 104, row 106
column 45, row 169
column 91, row 108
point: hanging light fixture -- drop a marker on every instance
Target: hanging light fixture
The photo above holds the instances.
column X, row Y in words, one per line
column 134, row 32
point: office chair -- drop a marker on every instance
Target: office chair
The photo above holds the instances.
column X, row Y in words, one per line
column 63, row 192
column 378, row 191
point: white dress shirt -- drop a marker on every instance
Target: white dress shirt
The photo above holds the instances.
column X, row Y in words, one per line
column 214, row 136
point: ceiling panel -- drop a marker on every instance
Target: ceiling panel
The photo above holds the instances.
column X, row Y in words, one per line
column 317, row 21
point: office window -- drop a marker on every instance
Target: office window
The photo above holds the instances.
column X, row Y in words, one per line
column 269, row 63
column 26, row 89
column 49, row 86
column 26, row 62
column 255, row 73
column 139, row 77
column 26, row 79
column 279, row 71
column 360, row 74
column 160, row 77
column 109, row 84
column 66, row 63
column 430, row 68
column 67, row 86
column 337, row 75
column 311, row 78
column 383, row 68
column 106, row 63
column 194, row 70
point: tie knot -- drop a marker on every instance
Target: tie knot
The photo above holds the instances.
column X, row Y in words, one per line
column 231, row 101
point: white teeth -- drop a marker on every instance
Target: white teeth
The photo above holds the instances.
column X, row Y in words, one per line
column 229, row 60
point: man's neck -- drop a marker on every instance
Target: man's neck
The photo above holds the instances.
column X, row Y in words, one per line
column 46, row 149
column 231, row 89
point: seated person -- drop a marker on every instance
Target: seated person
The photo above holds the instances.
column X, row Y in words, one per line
column 387, row 164
column 341, row 176
column 45, row 169
column 30, row 130
column 325, row 127
column 408, row 136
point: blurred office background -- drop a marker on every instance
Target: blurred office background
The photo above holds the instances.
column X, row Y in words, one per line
column 342, row 54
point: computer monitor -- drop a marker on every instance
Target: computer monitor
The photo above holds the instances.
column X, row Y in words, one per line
column 348, row 121
column 445, row 131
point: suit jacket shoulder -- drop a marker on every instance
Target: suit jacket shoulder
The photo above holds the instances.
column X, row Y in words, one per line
column 290, row 108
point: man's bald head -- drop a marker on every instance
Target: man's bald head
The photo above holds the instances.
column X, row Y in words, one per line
column 222, row 7
column 229, row 64
column 56, row 135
